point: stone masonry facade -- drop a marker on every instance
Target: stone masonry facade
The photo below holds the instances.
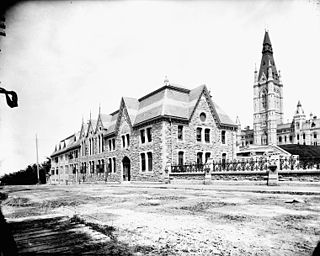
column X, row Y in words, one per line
column 136, row 143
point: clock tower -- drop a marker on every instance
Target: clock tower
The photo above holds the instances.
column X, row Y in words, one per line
column 267, row 98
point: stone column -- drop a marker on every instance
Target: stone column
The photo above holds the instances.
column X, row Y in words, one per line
column 208, row 170
column 273, row 168
column 167, row 172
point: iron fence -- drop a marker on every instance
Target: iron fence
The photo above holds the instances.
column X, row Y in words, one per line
column 252, row 164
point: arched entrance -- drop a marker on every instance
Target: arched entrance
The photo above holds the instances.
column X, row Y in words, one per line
column 126, row 169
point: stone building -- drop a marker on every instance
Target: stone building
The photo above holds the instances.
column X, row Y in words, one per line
column 171, row 125
column 268, row 125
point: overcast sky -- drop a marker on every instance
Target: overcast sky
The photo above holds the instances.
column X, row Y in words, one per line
column 65, row 58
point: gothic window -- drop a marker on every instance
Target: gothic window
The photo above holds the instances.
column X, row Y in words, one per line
column 149, row 134
column 315, row 135
column 123, row 141
column 207, row 135
column 199, row 131
column 142, row 136
column 280, row 139
column 264, row 100
column 114, row 164
column 114, row 144
column 304, row 136
column 223, row 137
column 149, row 156
column 207, row 156
column 143, row 162
column 199, row 158
column 297, row 125
column 224, row 158
column 180, row 132
column 180, row 157
column 128, row 140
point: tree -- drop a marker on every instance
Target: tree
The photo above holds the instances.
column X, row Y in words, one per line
column 28, row 176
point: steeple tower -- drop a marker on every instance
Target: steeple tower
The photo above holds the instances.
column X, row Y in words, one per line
column 267, row 59
column 268, row 97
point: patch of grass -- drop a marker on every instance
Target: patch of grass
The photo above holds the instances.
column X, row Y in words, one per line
column 144, row 249
column 237, row 218
column 104, row 229
column 149, row 204
column 167, row 198
column 203, row 206
column 19, row 202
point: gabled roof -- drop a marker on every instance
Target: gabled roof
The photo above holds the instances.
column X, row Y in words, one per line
column 175, row 102
column 83, row 130
column 67, row 144
column 132, row 106
column 112, row 124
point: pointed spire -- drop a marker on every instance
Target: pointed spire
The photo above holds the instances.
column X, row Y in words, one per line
column 99, row 109
column 267, row 47
column 299, row 103
column 267, row 59
column 166, row 81
column 299, row 110
column 90, row 114
column 238, row 121
column 266, row 39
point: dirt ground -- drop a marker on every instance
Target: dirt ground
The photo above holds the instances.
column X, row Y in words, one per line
column 164, row 220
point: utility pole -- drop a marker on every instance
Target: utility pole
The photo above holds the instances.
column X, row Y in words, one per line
column 37, row 160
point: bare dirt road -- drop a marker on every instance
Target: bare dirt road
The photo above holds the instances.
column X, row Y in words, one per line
column 167, row 220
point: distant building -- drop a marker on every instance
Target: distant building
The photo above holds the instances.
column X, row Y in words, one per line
column 171, row 125
column 268, row 125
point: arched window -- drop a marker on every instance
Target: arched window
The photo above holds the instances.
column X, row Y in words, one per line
column 264, row 100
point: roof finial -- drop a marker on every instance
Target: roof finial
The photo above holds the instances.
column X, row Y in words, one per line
column 166, row 81
column 299, row 103
column 82, row 119
column 99, row 109
column 255, row 67
column 90, row 114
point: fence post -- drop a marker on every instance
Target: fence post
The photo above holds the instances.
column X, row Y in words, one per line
column 208, row 168
column 273, row 168
column 167, row 172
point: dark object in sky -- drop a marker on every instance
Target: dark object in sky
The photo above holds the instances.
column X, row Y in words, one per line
column 11, row 97
column 2, row 26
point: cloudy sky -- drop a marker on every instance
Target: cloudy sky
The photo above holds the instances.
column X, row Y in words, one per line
column 64, row 58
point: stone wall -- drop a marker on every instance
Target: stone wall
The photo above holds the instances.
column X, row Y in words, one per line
column 189, row 145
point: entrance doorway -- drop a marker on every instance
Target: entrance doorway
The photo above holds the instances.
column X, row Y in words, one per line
column 126, row 169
